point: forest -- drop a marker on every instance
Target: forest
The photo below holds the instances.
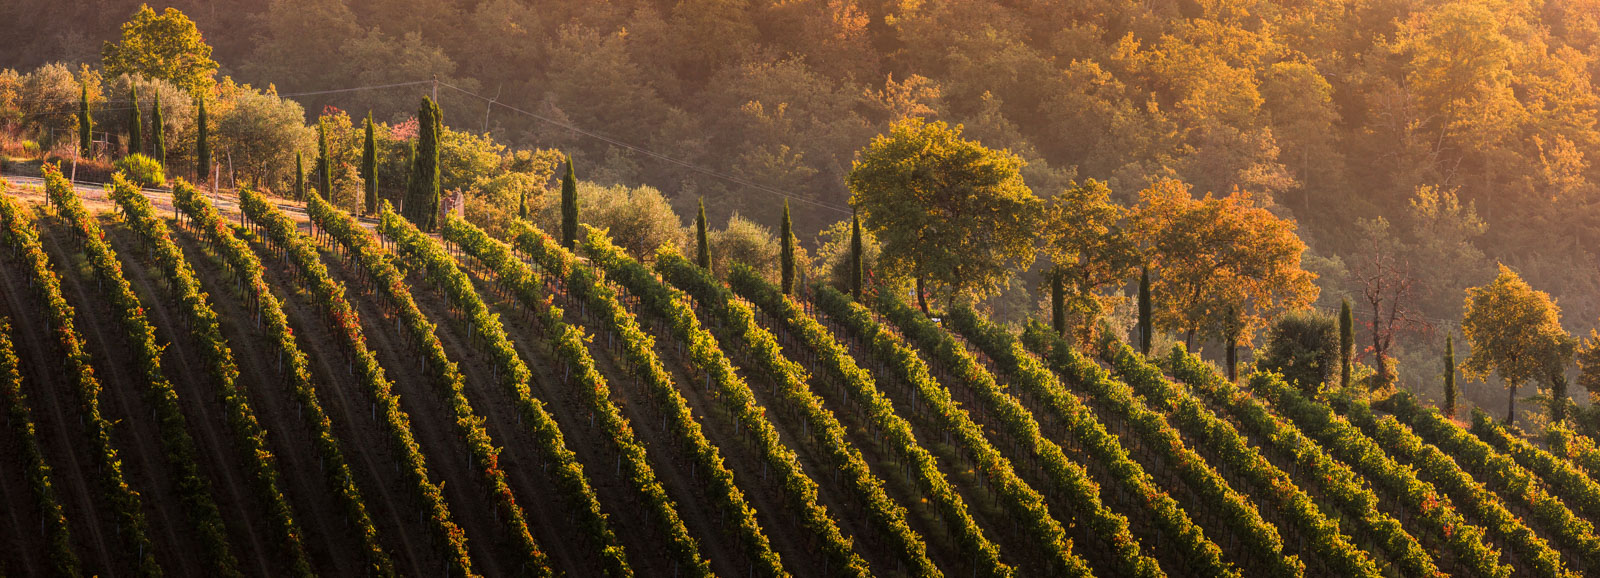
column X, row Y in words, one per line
column 495, row 287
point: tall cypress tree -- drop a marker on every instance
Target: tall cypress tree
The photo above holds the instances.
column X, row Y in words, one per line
column 1450, row 376
column 1347, row 341
column 855, row 256
column 369, row 168
column 702, row 254
column 158, row 134
column 522, row 206
column 1146, row 324
column 1058, row 301
column 569, row 208
column 202, row 145
column 786, row 254
column 324, row 163
column 422, row 190
column 299, row 176
column 135, row 130
column 85, row 124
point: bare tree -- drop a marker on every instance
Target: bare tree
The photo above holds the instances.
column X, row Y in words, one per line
column 1388, row 289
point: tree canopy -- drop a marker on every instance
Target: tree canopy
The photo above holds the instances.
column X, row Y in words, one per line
column 945, row 209
column 167, row 46
column 1222, row 266
column 1515, row 332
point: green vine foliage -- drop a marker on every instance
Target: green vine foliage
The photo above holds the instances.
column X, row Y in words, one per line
column 858, row 320
column 199, row 216
column 1435, row 512
column 1471, row 496
column 590, row 286
column 176, row 442
column 249, row 436
column 284, row 237
column 1501, row 477
column 444, row 373
column 570, row 347
column 62, row 559
column 121, row 499
column 1261, row 543
column 1198, row 553
column 1023, row 502
column 704, row 350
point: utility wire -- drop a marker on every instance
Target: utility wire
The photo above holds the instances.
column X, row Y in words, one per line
column 652, row 154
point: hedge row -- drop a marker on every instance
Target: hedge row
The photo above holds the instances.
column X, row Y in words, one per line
column 570, row 347
column 249, row 437
column 642, row 362
column 198, row 215
column 123, row 501
column 1261, row 541
column 176, row 442
column 1200, row 556
column 284, row 235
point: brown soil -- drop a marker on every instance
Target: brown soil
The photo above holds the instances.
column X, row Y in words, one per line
column 367, row 447
column 121, row 402
column 448, row 458
column 55, row 416
column 552, row 524
column 598, row 454
column 329, row 539
column 250, row 531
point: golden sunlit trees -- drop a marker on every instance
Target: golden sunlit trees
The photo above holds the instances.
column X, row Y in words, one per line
column 168, row 47
column 1089, row 250
column 1516, row 332
column 948, row 211
column 1224, row 266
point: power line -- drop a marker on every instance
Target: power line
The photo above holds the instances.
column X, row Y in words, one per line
column 591, row 134
column 652, row 154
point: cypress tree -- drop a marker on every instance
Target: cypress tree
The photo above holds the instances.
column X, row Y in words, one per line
column 135, row 130
column 1233, row 348
column 1146, row 326
column 569, row 208
column 786, row 254
column 85, row 124
column 158, row 134
column 202, row 145
column 1347, row 341
column 1450, row 376
column 422, row 190
column 702, row 254
column 324, row 163
column 1058, row 301
column 299, row 176
column 369, row 168
column 522, row 206
column 855, row 256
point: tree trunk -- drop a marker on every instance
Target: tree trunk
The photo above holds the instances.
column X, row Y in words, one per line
column 1511, row 404
column 1233, row 360
column 922, row 298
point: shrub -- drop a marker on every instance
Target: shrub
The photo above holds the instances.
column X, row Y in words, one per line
column 1304, row 347
column 143, row 170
